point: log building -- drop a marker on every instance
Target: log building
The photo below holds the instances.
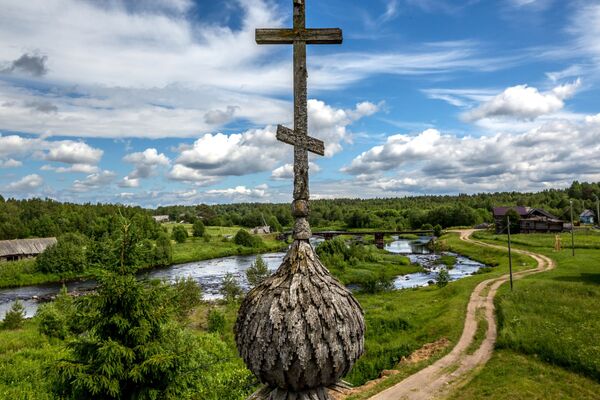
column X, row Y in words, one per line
column 13, row 250
column 532, row 220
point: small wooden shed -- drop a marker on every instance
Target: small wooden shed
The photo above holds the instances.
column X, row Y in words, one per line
column 13, row 250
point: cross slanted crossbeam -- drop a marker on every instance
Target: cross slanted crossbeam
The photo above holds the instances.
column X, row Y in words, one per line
column 300, row 36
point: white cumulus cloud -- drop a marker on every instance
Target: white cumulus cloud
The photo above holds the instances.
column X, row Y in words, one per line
column 524, row 102
column 26, row 184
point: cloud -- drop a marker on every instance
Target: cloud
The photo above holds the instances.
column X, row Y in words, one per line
column 79, row 168
column 433, row 162
column 10, row 163
column 239, row 192
column 34, row 65
column 42, row 106
column 128, row 182
column 286, row 171
column 71, row 152
column 524, row 102
column 28, row 183
column 218, row 117
column 93, row 181
column 215, row 156
column 145, row 162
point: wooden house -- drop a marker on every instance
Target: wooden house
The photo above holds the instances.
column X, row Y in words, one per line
column 532, row 220
column 587, row 217
column 13, row 250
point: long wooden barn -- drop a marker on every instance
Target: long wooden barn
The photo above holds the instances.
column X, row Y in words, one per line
column 532, row 220
column 13, row 250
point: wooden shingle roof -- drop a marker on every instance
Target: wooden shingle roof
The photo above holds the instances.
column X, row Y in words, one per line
column 25, row 246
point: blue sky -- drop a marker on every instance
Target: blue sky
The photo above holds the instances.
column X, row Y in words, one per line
column 171, row 102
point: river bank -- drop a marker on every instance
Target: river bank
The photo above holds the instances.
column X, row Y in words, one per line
column 209, row 273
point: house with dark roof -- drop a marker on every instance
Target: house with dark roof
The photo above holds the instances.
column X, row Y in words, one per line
column 587, row 217
column 13, row 250
column 531, row 220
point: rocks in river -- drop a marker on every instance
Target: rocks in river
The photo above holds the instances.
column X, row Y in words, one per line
column 431, row 283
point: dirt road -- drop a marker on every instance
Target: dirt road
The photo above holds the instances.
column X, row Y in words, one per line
column 454, row 370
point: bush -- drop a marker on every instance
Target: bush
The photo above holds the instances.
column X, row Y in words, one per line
column 377, row 284
column 198, row 229
column 437, row 230
column 179, row 234
column 257, row 272
column 163, row 251
column 443, row 278
column 216, row 322
column 15, row 317
column 187, row 296
column 230, row 288
column 67, row 255
column 54, row 318
column 243, row 238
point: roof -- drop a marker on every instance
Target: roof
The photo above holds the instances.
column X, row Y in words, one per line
column 524, row 212
column 25, row 246
column 521, row 210
column 587, row 213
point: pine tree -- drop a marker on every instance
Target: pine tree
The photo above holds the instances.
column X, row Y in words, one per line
column 15, row 317
column 257, row 272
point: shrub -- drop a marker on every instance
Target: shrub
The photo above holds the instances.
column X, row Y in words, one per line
column 230, row 288
column 244, row 238
column 198, row 229
column 179, row 234
column 437, row 230
column 257, row 272
column 187, row 295
column 443, row 278
column 15, row 317
column 216, row 321
column 67, row 255
column 377, row 284
column 54, row 318
column 163, row 251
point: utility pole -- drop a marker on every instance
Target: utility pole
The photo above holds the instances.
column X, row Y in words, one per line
column 509, row 252
column 597, row 210
column 572, row 230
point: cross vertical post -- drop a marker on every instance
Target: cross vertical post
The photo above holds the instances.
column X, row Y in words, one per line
column 299, row 36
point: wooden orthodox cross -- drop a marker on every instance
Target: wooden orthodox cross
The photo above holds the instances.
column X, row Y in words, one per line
column 300, row 36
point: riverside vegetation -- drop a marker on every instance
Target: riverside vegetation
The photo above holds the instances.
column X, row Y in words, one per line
column 548, row 327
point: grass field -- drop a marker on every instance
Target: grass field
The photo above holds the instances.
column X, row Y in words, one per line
column 548, row 327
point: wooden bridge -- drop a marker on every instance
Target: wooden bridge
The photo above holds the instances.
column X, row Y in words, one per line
column 378, row 235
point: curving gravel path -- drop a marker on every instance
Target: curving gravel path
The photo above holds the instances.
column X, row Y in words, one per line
column 456, row 368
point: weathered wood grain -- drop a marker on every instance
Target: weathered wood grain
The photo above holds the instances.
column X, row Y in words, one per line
column 308, row 36
column 300, row 330
column 286, row 135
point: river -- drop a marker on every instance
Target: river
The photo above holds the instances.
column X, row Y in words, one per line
column 209, row 274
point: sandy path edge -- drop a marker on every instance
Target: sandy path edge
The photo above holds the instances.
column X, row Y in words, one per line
column 455, row 369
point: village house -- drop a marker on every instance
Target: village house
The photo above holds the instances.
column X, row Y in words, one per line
column 532, row 220
column 587, row 217
column 161, row 218
column 13, row 250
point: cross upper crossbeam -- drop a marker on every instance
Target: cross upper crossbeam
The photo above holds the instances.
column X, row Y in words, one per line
column 287, row 135
column 308, row 36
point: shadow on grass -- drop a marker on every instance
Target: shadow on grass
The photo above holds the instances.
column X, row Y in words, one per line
column 591, row 279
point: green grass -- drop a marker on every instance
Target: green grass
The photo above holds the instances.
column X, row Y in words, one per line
column 401, row 322
column 23, row 273
column 554, row 315
column 196, row 249
column 480, row 333
column 25, row 356
column 389, row 266
column 548, row 327
column 512, row 376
